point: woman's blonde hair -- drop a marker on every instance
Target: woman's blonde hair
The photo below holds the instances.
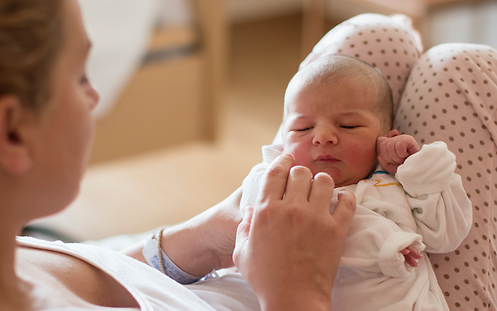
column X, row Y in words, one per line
column 30, row 40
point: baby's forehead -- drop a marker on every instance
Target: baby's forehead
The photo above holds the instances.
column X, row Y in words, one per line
column 308, row 87
column 324, row 73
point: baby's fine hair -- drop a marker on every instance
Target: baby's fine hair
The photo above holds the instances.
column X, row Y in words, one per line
column 336, row 67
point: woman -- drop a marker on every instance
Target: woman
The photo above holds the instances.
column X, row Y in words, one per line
column 45, row 135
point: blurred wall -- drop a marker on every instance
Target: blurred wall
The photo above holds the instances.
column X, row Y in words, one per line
column 471, row 23
column 243, row 10
column 476, row 23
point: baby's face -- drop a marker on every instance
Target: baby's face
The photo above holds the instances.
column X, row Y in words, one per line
column 332, row 129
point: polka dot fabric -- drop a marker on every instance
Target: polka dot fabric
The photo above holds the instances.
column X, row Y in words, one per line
column 450, row 95
column 389, row 43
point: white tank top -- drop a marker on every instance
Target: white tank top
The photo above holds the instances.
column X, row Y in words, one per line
column 151, row 289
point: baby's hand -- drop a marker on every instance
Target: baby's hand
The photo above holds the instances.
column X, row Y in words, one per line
column 394, row 149
column 411, row 256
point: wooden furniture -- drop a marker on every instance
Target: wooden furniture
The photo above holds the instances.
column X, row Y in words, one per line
column 417, row 10
column 313, row 18
column 174, row 97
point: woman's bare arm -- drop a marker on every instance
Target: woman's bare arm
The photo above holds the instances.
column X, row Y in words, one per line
column 203, row 243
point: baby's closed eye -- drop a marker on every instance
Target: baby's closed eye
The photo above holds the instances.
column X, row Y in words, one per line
column 349, row 126
column 303, row 129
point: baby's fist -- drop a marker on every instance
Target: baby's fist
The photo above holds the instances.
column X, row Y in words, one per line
column 394, row 149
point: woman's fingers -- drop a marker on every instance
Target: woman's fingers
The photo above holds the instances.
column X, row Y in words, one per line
column 289, row 235
column 242, row 233
column 244, row 226
column 275, row 180
column 299, row 184
column 345, row 208
column 322, row 191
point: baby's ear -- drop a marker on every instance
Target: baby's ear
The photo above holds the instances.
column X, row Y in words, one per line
column 392, row 133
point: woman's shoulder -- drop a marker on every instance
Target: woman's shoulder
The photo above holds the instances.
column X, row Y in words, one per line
column 148, row 287
column 84, row 309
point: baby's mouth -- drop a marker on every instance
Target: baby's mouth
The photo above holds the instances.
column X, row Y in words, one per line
column 326, row 158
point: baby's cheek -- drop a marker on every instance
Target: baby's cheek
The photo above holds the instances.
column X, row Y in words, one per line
column 300, row 152
column 364, row 161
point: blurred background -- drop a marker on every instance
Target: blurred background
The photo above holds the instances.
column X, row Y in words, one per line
column 191, row 90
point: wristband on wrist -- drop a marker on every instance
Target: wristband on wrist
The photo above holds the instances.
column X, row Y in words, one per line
column 157, row 259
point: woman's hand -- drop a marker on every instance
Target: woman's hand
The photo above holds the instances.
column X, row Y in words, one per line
column 289, row 242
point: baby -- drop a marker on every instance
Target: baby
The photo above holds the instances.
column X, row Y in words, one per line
column 337, row 119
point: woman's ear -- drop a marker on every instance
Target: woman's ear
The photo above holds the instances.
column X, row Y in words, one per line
column 15, row 158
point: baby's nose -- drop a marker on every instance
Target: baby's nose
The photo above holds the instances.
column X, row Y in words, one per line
column 325, row 137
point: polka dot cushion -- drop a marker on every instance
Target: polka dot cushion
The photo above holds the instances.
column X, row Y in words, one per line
column 450, row 95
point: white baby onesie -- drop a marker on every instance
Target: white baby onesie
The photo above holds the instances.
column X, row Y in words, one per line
column 424, row 206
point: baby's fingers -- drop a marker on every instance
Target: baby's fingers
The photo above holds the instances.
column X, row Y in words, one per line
column 405, row 146
column 411, row 255
column 387, row 150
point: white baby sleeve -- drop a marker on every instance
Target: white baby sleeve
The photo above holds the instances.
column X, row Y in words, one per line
column 437, row 199
column 374, row 243
column 250, row 186
column 252, row 183
column 390, row 260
